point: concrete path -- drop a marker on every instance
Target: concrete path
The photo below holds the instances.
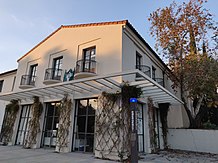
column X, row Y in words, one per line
column 16, row 154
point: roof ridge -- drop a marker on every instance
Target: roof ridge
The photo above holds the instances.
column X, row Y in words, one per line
column 96, row 24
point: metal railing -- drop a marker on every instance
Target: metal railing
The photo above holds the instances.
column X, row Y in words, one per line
column 53, row 74
column 145, row 69
column 85, row 66
column 28, row 80
column 159, row 81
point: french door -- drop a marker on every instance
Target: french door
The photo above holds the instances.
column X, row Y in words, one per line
column 51, row 125
column 23, row 124
column 85, row 125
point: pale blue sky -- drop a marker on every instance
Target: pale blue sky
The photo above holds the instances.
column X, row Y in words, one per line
column 25, row 23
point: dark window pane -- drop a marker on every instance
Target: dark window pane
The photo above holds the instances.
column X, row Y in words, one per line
column 91, row 124
column 82, row 107
column 81, row 121
column 92, row 106
column 89, row 142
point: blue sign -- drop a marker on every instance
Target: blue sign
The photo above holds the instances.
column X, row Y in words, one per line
column 133, row 100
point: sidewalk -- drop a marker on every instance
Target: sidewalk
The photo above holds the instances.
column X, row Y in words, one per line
column 16, row 154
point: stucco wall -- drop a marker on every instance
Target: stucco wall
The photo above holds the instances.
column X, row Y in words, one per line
column 69, row 43
column 7, row 87
column 193, row 140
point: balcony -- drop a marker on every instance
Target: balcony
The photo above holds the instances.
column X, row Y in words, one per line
column 27, row 81
column 159, row 81
column 85, row 68
column 52, row 76
column 145, row 69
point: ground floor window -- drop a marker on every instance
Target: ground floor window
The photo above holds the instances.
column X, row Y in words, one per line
column 84, row 125
column 51, row 122
column 140, row 128
column 23, row 124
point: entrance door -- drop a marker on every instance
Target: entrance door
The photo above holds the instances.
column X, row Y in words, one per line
column 51, row 125
column 23, row 124
column 85, row 125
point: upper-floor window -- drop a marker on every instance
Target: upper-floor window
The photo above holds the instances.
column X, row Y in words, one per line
column 57, row 68
column 153, row 72
column 138, row 60
column 57, row 63
column 1, row 84
column 32, row 73
column 89, row 55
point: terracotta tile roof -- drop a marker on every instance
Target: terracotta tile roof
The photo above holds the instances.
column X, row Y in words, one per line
column 74, row 26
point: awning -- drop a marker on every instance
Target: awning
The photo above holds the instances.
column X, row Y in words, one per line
column 96, row 85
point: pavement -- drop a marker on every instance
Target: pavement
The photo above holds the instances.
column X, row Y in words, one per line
column 16, row 154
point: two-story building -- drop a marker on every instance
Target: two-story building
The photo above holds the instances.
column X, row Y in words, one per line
column 82, row 61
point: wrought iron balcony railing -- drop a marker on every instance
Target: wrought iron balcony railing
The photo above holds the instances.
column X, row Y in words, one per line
column 53, row 74
column 159, row 81
column 86, row 66
column 28, row 80
column 145, row 69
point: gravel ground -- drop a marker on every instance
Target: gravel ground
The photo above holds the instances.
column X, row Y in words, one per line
column 180, row 156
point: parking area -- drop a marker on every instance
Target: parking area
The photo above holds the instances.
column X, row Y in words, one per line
column 15, row 154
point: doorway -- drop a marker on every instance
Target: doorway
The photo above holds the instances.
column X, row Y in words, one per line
column 51, row 125
column 84, row 125
column 23, row 125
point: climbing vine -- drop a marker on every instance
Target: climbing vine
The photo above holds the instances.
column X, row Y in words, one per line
column 65, row 109
column 152, row 132
column 11, row 111
column 113, row 123
column 34, row 123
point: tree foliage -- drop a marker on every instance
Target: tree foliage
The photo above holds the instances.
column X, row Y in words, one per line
column 181, row 32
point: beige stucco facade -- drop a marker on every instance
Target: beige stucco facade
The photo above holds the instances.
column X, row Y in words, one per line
column 8, row 80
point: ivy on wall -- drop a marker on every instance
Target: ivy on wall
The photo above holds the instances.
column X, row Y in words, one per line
column 113, row 123
column 11, row 111
column 65, row 109
column 151, row 125
column 34, row 123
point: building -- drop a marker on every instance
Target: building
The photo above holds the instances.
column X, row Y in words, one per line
column 7, row 80
column 82, row 61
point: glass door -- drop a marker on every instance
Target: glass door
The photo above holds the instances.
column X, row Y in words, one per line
column 85, row 125
column 51, row 125
column 23, row 124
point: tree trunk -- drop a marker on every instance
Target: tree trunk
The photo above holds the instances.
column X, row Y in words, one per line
column 190, row 117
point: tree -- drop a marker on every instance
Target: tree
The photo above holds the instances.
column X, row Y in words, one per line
column 181, row 32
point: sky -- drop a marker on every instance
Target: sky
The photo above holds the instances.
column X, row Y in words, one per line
column 24, row 23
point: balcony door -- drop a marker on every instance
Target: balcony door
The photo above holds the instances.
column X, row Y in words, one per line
column 88, row 58
column 57, row 68
column 85, row 125
column 32, row 73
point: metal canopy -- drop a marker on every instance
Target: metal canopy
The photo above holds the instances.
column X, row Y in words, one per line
column 95, row 86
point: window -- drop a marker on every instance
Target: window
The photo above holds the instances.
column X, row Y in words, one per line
column 32, row 74
column 153, row 72
column 57, row 65
column 1, row 84
column 138, row 60
column 85, row 125
column 23, row 125
column 89, row 59
column 140, row 128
